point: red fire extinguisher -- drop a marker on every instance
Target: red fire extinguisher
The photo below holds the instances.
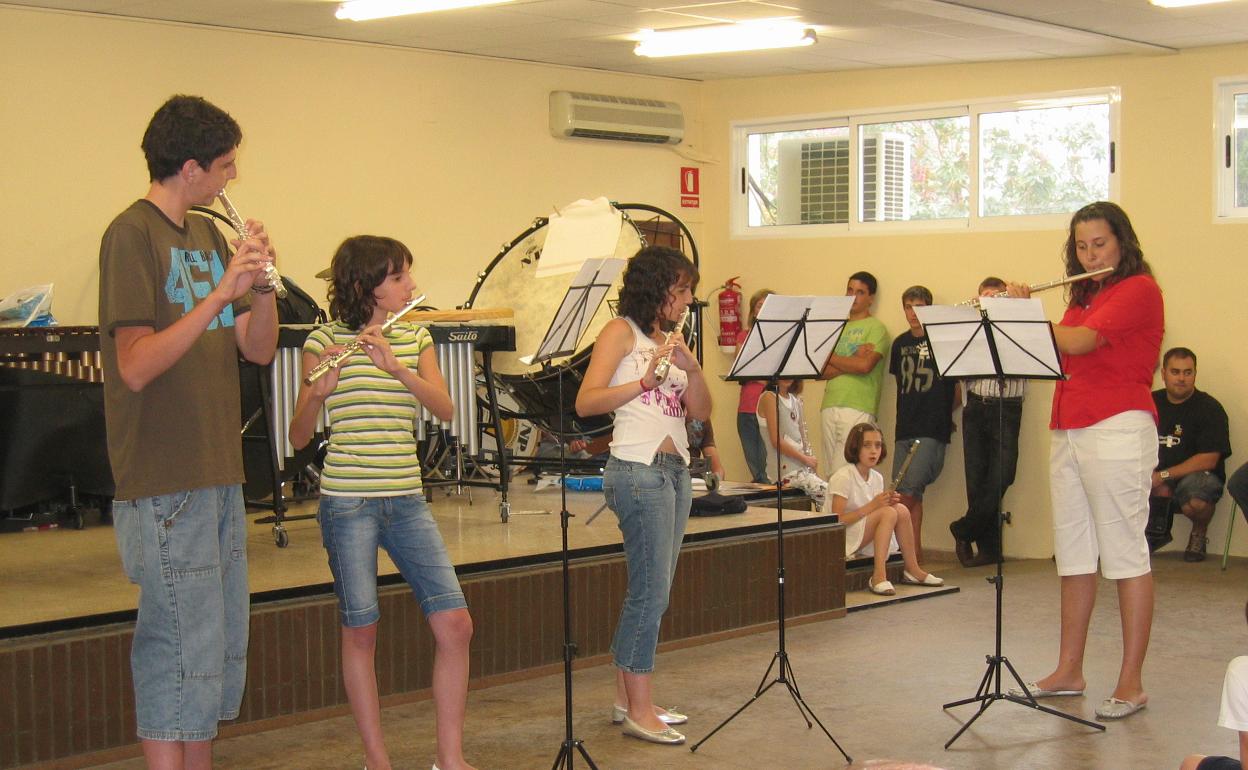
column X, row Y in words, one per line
column 729, row 314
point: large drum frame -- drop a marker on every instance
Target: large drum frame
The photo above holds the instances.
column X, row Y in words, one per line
column 534, row 390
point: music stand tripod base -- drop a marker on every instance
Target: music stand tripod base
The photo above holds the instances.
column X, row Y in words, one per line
column 756, row 348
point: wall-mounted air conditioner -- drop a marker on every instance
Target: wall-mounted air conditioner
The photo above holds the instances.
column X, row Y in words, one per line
column 620, row 118
column 813, row 180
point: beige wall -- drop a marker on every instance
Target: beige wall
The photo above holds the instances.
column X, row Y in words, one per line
column 1166, row 186
column 450, row 154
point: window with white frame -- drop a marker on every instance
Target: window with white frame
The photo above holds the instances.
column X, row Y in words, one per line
column 1023, row 162
column 1231, row 149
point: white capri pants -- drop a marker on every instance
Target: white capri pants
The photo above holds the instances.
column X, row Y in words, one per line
column 1099, row 483
column 837, row 422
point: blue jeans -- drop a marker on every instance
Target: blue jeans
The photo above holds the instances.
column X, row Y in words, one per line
column 651, row 503
column 753, row 446
column 187, row 552
column 352, row 528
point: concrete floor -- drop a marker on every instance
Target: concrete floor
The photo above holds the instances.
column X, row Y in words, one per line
column 876, row 678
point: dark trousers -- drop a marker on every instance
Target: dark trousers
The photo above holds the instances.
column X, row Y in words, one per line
column 989, row 446
column 1237, row 485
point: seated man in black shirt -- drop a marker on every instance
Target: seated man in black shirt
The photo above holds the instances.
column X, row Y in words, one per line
column 1194, row 444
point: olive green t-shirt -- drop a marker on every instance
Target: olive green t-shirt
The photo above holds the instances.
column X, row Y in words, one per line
column 181, row 431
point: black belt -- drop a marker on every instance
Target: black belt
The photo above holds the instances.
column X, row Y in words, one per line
column 993, row 400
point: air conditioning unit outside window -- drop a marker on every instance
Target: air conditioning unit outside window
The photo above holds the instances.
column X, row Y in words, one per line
column 618, row 118
column 813, row 180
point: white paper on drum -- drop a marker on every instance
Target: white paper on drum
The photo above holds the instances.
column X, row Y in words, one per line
column 582, row 230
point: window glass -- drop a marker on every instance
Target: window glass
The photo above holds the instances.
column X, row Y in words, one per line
column 1043, row 161
column 798, row 177
column 915, row 169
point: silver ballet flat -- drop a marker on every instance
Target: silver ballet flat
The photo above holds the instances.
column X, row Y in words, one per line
column 670, row 717
column 666, row 736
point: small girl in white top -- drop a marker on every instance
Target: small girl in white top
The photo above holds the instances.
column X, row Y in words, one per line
column 787, row 434
column 870, row 514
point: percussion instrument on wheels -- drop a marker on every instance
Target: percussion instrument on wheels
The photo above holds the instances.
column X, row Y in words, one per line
column 530, row 391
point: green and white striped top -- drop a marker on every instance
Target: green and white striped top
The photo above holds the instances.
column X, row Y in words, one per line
column 372, row 417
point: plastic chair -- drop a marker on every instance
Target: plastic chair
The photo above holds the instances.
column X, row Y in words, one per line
column 1230, row 527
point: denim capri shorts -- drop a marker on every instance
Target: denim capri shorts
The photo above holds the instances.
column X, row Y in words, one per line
column 353, row 528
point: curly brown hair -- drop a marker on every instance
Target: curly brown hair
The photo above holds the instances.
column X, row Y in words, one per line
column 650, row 274
column 359, row 266
column 1132, row 256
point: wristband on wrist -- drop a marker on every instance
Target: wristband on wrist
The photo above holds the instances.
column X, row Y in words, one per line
column 261, row 289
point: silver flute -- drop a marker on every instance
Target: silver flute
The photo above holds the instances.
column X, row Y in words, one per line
column 321, row 369
column 905, row 466
column 665, row 363
column 240, row 227
column 1038, row 287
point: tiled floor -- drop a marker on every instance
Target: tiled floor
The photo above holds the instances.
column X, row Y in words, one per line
column 876, row 678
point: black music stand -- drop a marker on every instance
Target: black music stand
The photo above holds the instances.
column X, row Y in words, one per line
column 772, row 351
column 586, row 293
column 1001, row 338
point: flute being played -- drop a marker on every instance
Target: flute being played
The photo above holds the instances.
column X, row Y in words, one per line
column 665, row 363
column 240, row 226
column 321, row 369
column 1047, row 284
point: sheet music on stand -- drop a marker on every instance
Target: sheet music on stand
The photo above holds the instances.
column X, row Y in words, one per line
column 791, row 338
column 585, row 294
column 1010, row 338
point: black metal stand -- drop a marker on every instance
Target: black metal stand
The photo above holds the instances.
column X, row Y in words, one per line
column 570, row 742
column 780, row 659
column 989, row 690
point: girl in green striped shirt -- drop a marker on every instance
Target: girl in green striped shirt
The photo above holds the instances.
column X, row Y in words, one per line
column 371, row 492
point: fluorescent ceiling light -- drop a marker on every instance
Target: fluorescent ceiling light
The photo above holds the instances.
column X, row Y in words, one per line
column 363, row 10
column 723, row 38
column 1183, row 3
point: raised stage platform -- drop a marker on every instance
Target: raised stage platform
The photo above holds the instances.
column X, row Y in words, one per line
column 65, row 691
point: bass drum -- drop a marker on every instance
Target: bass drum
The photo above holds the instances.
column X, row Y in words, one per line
column 511, row 280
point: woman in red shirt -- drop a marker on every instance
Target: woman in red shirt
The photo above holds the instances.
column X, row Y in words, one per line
column 1104, row 447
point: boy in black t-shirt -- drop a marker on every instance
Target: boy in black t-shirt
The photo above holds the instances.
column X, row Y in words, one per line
column 1194, row 443
column 925, row 404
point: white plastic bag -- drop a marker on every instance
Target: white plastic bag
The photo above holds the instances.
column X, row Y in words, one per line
column 24, row 307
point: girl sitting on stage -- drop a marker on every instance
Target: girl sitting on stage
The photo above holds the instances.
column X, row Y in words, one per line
column 870, row 514
column 371, row 486
column 798, row 464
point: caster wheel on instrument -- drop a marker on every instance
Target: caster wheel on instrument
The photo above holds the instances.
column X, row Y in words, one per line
column 504, row 511
column 76, row 519
column 280, row 536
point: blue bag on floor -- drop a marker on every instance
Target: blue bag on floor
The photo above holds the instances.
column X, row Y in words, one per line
column 584, row 483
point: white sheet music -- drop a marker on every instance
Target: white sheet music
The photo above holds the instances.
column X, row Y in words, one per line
column 582, row 230
column 586, row 292
column 1024, row 339
column 960, row 347
column 779, row 320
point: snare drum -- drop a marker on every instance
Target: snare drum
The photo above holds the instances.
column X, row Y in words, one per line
column 511, row 280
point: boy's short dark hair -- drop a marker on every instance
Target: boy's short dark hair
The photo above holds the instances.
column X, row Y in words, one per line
column 853, row 442
column 917, row 292
column 992, row 282
column 187, row 128
column 864, row 277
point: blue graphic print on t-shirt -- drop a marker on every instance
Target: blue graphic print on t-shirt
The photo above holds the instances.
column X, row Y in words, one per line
column 183, row 289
